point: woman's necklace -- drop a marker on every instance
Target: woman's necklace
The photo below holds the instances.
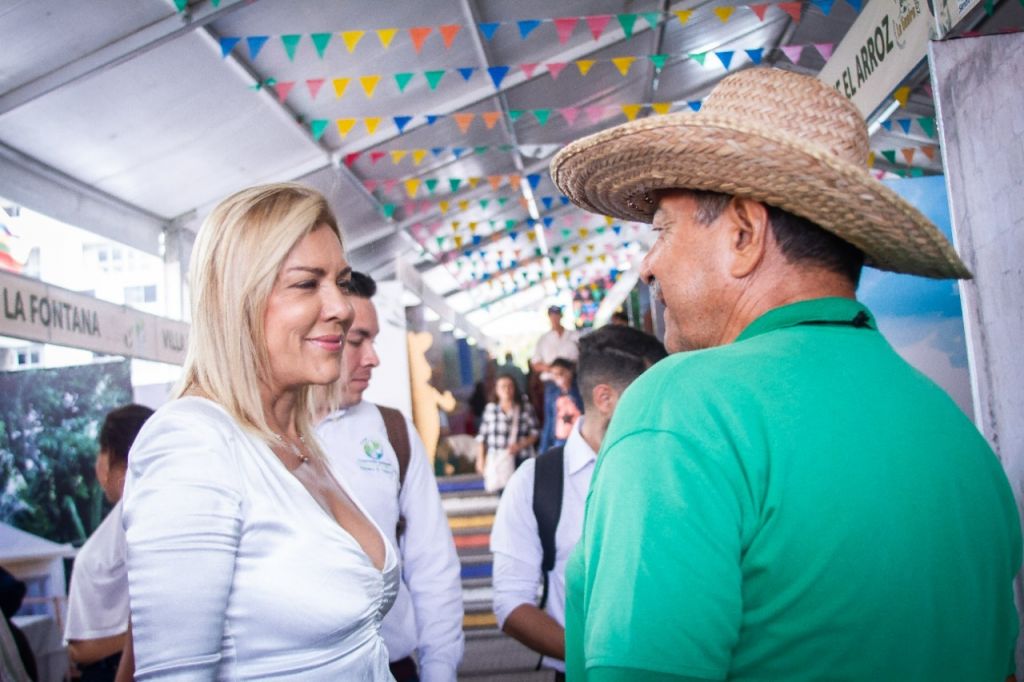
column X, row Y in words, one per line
column 294, row 449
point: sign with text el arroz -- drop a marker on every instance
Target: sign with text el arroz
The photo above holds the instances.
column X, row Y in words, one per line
column 36, row 311
column 888, row 40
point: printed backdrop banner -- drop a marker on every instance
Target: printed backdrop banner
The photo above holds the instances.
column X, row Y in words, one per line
column 888, row 39
column 36, row 311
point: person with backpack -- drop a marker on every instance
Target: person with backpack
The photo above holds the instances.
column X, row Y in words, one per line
column 376, row 449
column 540, row 515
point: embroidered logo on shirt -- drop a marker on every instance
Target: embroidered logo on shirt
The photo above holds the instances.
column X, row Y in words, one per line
column 373, row 457
column 372, row 449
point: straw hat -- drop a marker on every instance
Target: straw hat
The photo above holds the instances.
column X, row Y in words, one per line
column 779, row 137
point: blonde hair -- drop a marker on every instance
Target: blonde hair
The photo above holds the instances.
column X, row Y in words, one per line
column 236, row 259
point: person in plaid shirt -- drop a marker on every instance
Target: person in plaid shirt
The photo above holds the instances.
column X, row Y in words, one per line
column 499, row 417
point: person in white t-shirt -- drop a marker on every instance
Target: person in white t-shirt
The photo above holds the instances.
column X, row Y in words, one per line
column 557, row 342
column 97, row 621
column 610, row 359
column 423, row 630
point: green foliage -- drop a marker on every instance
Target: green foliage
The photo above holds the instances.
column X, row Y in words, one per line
column 49, row 420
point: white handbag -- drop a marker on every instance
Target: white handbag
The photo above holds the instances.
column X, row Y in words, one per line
column 501, row 463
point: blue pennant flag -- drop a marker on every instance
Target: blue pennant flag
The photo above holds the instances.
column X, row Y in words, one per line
column 401, row 122
column 564, row 199
column 824, row 5
column 513, row 235
column 498, row 74
column 547, row 201
column 548, row 221
column 887, row 125
column 904, row 123
column 432, row 118
column 725, row 57
column 436, row 151
column 855, row 4
column 458, row 151
column 694, row 105
column 526, row 27
column 476, row 241
column 755, row 55
column 489, row 29
column 226, row 45
column 617, row 229
column 466, row 72
column 255, row 44
column 531, row 222
column 533, row 179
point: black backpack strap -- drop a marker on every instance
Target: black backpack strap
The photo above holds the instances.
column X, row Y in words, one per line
column 547, row 507
column 398, row 436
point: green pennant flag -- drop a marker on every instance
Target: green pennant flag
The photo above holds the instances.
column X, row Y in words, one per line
column 454, row 184
column 927, row 123
column 215, row 3
column 557, row 249
column 514, row 114
column 698, row 57
column 917, row 172
column 181, row 5
column 659, row 61
column 484, row 203
column 600, row 230
column 504, row 148
column 320, row 41
column 434, row 77
column 537, row 252
column 388, row 210
column 989, row 6
column 317, row 127
column 502, row 201
column 290, row 42
column 566, row 233
column 402, row 80
column 627, row 21
column 481, row 150
column 431, row 184
column 890, row 155
column 509, row 224
column 542, row 115
column 565, row 259
column 440, row 241
column 652, row 18
column 491, row 223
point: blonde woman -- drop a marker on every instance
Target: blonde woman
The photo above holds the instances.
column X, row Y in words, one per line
column 247, row 557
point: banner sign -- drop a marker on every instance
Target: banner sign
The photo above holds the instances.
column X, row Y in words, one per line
column 36, row 311
column 889, row 38
column 949, row 13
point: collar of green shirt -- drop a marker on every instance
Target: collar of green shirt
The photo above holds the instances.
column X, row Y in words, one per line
column 841, row 311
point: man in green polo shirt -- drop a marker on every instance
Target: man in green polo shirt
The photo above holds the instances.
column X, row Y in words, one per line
column 789, row 500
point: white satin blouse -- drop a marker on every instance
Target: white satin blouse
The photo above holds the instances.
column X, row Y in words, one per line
column 235, row 571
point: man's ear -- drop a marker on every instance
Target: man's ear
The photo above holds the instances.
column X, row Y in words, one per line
column 748, row 235
column 603, row 397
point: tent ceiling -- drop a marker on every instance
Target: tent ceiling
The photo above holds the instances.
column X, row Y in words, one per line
column 129, row 108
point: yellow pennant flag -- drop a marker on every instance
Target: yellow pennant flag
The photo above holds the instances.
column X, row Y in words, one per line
column 472, row 227
column 723, row 13
column 584, row 232
column 464, row 205
column 590, row 259
column 584, row 65
column 340, row 84
column 386, row 35
column 661, row 108
column 352, row 39
column 609, row 220
column 443, row 205
column 590, row 247
column 418, row 155
column 603, row 258
column 683, row 15
column 397, row 155
column 630, row 110
column 473, row 181
column 458, row 242
column 871, row 160
column 411, row 185
column 371, row 124
column 345, row 126
column 456, row 224
column 532, row 236
column 902, row 95
column 623, row 64
column 369, row 84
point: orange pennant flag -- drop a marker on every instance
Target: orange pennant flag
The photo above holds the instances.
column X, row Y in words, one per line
column 623, row 64
column 928, row 151
column 683, row 15
column 524, row 203
column 490, row 118
column 397, row 155
column 723, row 13
column 908, row 154
column 371, row 124
column 339, row 86
column 631, row 110
column 514, row 180
column 345, row 126
column 369, row 84
column 352, row 39
column 411, row 185
column 661, row 108
column 792, row 9
column 464, row 120
column 448, row 33
column 495, row 181
column 584, row 65
column 418, row 35
column 418, row 155
column 385, row 36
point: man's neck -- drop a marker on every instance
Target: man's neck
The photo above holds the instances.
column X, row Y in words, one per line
column 593, row 428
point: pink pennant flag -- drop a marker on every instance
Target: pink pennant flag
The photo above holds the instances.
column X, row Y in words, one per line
column 565, row 27
column 528, row 69
column 314, row 85
column 759, row 10
column 370, row 185
column 595, row 114
column 824, row 49
column 570, row 114
column 389, row 184
column 282, row 88
column 555, row 68
column 597, row 24
column 377, row 156
column 792, row 52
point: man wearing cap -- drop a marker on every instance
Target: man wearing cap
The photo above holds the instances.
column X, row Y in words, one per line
column 790, row 500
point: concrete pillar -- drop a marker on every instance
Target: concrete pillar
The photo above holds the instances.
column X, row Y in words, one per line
column 979, row 100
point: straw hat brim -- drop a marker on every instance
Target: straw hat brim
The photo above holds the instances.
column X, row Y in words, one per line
column 618, row 171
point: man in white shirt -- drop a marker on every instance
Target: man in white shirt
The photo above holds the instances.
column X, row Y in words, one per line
column 426, row 619
column 610, row 359
column 97, row 625
column 557, row 342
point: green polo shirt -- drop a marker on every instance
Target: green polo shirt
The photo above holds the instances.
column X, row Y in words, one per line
column 800, row 504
